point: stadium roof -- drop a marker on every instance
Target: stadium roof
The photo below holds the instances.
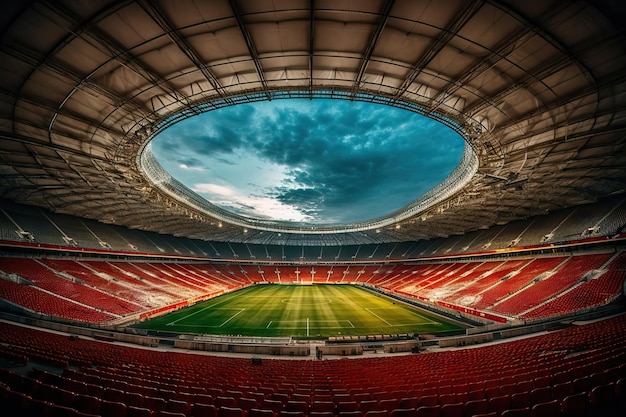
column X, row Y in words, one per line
column 537, row 88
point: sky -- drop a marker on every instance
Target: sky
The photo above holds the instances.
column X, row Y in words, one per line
column 319, row 161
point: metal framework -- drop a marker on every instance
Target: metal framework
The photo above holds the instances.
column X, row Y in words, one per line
column 536, row 88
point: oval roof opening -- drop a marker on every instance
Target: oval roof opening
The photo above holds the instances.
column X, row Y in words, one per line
column 309, row 162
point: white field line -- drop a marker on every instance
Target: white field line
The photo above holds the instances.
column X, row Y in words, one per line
column 379, row 318
column 197, row 312
column 235, row 315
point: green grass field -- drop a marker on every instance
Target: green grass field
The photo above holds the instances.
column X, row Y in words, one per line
column 300, row 311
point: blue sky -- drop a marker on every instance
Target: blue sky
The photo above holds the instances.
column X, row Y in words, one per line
column 311, row 161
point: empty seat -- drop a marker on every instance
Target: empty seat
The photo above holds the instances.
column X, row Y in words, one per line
column 285, row 413
column 138, row 412
column 222, row 401
column 165, row 413
column 574, row 405
column 369, row 405
column 476, row 407
column 112, row 409
column 177, row 406
column 260, row 412
column 452, row 410
column 373, row 413
column 500, row 404
column 155, row 403
column 87, row 404
column 447, row 399
column 562, row 390
column 230, row 412
column 517, row 412
column 247, row 403
column 547, row 409
column 409, row 402
column 323, row 406
column 520, row 399
column 203, row 410
column 428, row 400
column 427, row 411
column 114, row 395
column 348, row 406
column 133, row 398
column 540, row 395
column 389, row 404
column 601, row 398
column 402, row 412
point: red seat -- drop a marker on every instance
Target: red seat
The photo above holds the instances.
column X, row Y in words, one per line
column 347, row 406
column 574, row 405
column 177, row 406
column 374, row 413
column 323, row 406
column 114, row 395
column 87, row 404
column 601, row 395
column 138, row 412
column 452, row 410
column 477, row 394
column 320, row 414
column 428, row 411
column 247, row 403
column 204, row 410
column 202, row 399
column 155, row 403
column 389, row 404
column 581, row 384
column 369, row 405
column 540, row 395
column 409, row 402
column 222, row 401
column 547, row 409
column 517, row 412
column 355, row 413
column 447, row 399
column 500, row 404
column 429, row 400
column 476, row 407
column 520, row 399
column 562, row 390
column 285, row 413
column 403, row 412
column 133, row 398
column 259, row 412
column 230, row 412
column 112, row 409
column 165, row 413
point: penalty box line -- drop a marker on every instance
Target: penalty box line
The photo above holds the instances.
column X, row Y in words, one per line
column 175, row 322
column 425, row 320
column 206, row 308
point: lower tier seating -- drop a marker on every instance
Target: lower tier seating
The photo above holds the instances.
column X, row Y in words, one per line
column 578, row 371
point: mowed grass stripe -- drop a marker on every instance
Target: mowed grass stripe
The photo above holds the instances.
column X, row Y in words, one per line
column 283, row 310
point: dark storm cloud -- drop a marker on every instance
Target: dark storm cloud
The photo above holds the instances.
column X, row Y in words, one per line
column 345, row 160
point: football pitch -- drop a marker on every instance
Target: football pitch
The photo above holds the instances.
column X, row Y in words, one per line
column 300, row 311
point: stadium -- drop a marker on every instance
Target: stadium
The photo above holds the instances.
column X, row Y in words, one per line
column 498, row 291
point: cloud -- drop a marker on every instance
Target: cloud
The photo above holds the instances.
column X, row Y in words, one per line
column 320, row 160
column 213, row 189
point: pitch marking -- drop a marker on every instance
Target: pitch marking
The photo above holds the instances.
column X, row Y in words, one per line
column 380, row 318
column 235, row 315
